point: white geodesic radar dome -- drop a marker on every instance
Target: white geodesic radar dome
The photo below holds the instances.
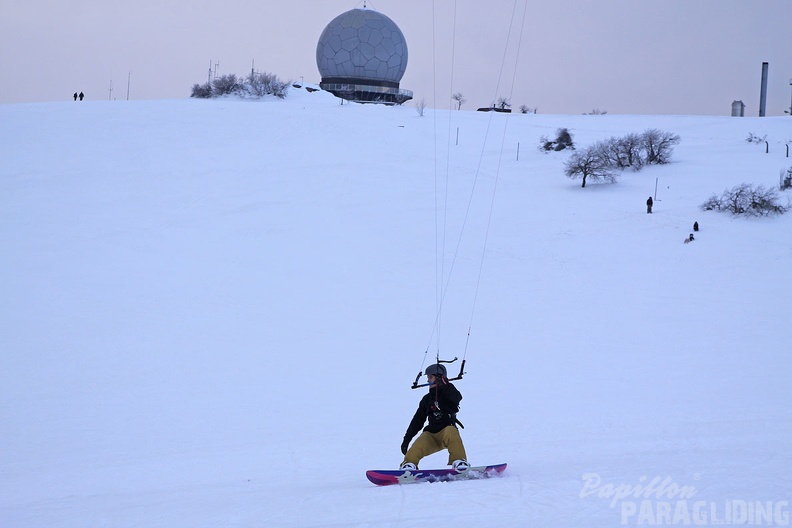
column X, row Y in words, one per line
column 362, row 44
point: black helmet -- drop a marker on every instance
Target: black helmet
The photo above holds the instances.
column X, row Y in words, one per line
column 436, row 370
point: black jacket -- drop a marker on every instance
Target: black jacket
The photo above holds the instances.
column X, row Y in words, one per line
column 439, row 406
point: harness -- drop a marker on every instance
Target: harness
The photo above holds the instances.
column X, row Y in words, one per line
column 438, row 410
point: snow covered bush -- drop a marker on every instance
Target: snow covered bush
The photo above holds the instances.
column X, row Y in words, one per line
column 562, row 141
column 785, row 180
column 202, row 91
column 745, row 199
column 752, row 138
column 259, row 84
column 256, row 84
column 225, row 85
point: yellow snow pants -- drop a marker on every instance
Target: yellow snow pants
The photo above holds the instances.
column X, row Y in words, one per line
column 429, row 443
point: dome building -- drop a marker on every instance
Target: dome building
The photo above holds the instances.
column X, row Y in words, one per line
column 362, row 56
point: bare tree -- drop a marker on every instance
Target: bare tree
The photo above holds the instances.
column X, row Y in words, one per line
column 460, row 100
column 658, row 145
column 420, row 107
column 588, row 164
column 630, row 148
column 503, row 103
column 622, row 152
column 525, row 109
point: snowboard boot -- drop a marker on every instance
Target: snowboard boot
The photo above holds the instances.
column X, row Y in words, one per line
column 460, row 465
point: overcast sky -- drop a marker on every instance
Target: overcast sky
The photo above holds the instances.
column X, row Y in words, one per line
column 620, row 56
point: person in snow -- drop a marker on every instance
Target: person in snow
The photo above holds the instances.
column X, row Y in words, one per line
column 649, row 204
column 81, row 96
column 75, row 96
column 440, row 406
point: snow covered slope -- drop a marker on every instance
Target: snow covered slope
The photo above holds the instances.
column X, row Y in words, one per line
column 213, row 311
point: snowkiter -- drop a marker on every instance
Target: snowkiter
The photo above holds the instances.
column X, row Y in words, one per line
column 439, row 406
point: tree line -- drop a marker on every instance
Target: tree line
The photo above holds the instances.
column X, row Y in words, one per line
column 256, row 84
column 602, row 160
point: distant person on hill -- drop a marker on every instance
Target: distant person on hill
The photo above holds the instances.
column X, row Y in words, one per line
column 649, row 204
column 75, row 96
column 695, row 226
column 439, row 406
column 81, row 96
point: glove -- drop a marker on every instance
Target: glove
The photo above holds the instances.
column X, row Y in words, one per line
column 405, row 445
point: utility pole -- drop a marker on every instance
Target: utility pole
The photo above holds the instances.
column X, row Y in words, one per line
column 110, row 97
column 790, row 102
column 212, row 74
column 129, row 80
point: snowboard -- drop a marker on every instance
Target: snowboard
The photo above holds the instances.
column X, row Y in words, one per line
column 386, row 477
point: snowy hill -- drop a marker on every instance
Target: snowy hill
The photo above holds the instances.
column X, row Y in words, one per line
column 213, row 312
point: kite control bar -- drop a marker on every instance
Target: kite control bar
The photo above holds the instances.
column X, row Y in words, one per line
column 415, row 384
